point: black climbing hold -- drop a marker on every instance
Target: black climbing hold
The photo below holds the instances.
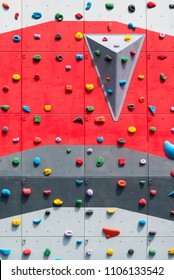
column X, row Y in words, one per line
column 131, row 8
column 121, row 141
column 171, row 6
column 47, row 212
column 131, row 107
column 58, row 37
column 59, row 58
column 5, row 129
column 108, row 58
column 78, row 120
column 152, row 233
column 89, row 212
column 130, row 251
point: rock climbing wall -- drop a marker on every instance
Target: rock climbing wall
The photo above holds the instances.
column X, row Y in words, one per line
column 86, row 119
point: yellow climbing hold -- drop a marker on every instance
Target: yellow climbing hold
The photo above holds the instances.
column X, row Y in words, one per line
column 16, row 222
column 79, row 36
column 58, row 202
column 171, row 251
column 47, row 171
column 47, row 108
column 127, row 38
column 110, row 252
column 141, row 77
column 132, row 129
column 89, row 87
column 110, row 211
column 16, row 77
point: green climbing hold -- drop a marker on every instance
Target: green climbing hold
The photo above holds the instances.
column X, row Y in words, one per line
column 79, row 203
column 124, row 59
column 97, row 52
column 152, row 129
column 37, row 58
column 5, row 107
column 37, row 119
column 163, row 77
column 152, row 252
column 15, row 161
column 90, row 108
column 142, row 182
column 109, row 6
column 100, row 161
column 47, row 252
column 68, row 151
column 58, row 17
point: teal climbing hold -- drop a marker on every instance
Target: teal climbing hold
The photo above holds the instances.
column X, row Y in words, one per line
column 16, row 38
column 5, row 251
column 169, row 149
column 109, row 91
column 37, row 221
column 36, row 15
column 36, row 161
column 26, row 109
column 152, row 109
column 88, row 6
column 100, row 161
column 79, row 242
column 6, row 192
column 171, row 193
column 79, row 182
column 142, row 222
column 131, row 26
column 57, row 259
column 79, row 57
column 122, row 83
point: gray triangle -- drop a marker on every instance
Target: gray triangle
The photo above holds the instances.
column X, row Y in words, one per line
column 115, row 47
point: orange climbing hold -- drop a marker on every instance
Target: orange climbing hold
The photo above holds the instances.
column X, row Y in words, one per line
column 111, row 232
column 121, row 183
column 109, row 26
column 5, row 5
column 100, row 119
column 37, row 140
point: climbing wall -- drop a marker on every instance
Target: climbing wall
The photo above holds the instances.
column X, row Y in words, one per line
column 86, row 119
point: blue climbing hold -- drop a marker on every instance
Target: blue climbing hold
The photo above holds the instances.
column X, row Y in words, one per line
column 37, row 221
column 122, row 83
column 79, row 182
column 171, row 193
column 57, row 259
column 142, row 222
column 152, row 109
column 36, row 161
column 109, row 91
column 100, row 139
column 16, row 38
column 36, row 15
column 6, row 192
column 26, row 109
column 5, row 251
column 79, row 57
column 88, row 6
column 169, row 149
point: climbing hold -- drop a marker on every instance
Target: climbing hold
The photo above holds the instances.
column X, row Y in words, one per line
column 36, row 15
column 16, row 222
column 79, row 182
column 131, row 8
column 78, row 120
column 68, row 151
column 16, row 15
column 141, row 99
column 5, row 129
column 131, row 26
column 132, row 53
column 16, row 38
column 108, row 58
column 171, row 251
column 5, row 251
column 111, row 232
column 26, row 109
column 68, row 233
column 89, row 192
column 161, row 35
column 5, row 88
column 153, row 192
column 151, row 4
column 152, row 252
column 88, row 6
column 36, row 161
column 47, row 108
column 97, row 52
column 89, row 212
column 109, row 91
column 152, row 233
column 109, row 26
column 142, row 182
column 47, row 171
column 89, row 87
column 116, row 45
column 47, row 212
column 37, row 140
column 110, row 252
column 58, row 202
column 58, row 17
column 36, row 77
column 171, row 193
column 124, row 59
column 121, row 183
column 15, row 161
column 131, row 129
column 142, row 202
column 131, row 251
column 122, row 83
column 152, row 109
column 169, row 149
column 100, row 139
column 89, row 252
column 37, row 221
column 16, row 140
column 36, row 58
column 109, row 6
column 47, row 252
column 142, row 222
column 99, row 120
column 127, row 38
column 141, row 77
column 89, row 151
column 171, row 6
column 26, row 191
column 37, row 119
column 58, row 37
column 79, row 203
column 47, row 192
column 6, row 192
column 152, row 129
column 79, row 57
column 16, row 77
column 37, row 36
column 58, row 140
column 121, row 161
column 110, row 211
column 142, row 161
column 100, row 161
column 89, row 108
column 163, row 77
column 5, row 107
column 172, row 109
column 78, row 36
column 172, row 130
column 79, row 241
column 161, row 57
column 78, row 16
column 79, row 161
column 26, row 252
column 108, row 78
column 121, row 141
column 59, row 58
column 131, row 107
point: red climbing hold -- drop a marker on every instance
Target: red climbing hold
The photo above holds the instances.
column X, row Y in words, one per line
column 79, row 16
column 162, row 57
column 151, row 5
column 47, row 192
column 26, row 252
column 172, row 173
column 79, row 161
column 132, row 52
column 26, row 191
column 172, row 212
column 5, row 89
column 111, row 232
column 121, row 161
column 104, row 39
column 16, row 15
column 142, row 202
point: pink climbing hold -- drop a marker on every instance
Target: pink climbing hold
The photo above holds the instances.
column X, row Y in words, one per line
column 142, row 202
column 47, row 192
column 153, row 192
column 26, row 191
column 26, row 252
